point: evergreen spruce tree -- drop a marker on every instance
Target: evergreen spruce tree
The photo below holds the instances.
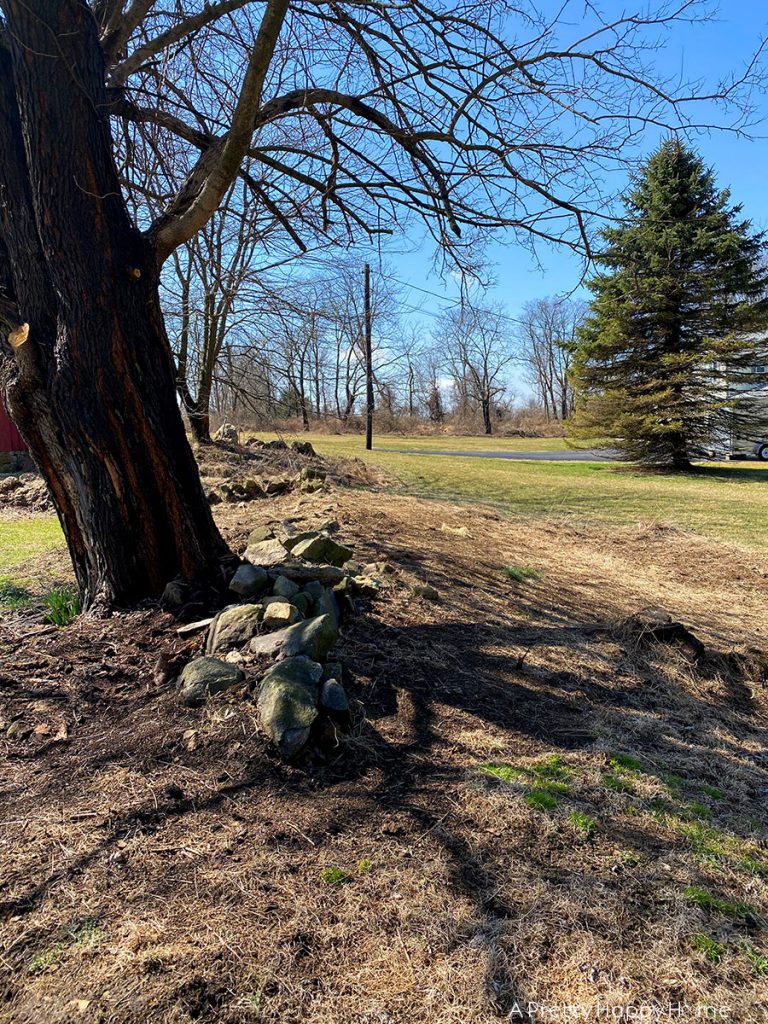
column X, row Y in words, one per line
column 675, row 336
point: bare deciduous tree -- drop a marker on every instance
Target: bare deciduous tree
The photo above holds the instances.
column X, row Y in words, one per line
column 478, row 353
column 547, row 335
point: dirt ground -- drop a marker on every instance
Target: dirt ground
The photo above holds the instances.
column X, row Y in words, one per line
column 537, row 805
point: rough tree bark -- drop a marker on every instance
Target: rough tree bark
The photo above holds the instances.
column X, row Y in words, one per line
column 92, row 385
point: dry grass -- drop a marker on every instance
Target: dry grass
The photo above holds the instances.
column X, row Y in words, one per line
column 129, row 900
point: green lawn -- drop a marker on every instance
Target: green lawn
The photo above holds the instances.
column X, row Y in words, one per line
column 724, row 500
column 21, row 539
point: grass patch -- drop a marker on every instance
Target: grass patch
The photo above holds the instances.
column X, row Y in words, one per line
column 625, row 763
column 758, row 961
column 521, row 573
column 720, row 500
column 364, row 866
column 715, row 905
column 13, row 596
column 25, row 538
column 544, row 781
column 711, row 791
column 541, row 800
column 86, row 935
column 335, row 876
column 585, row 826
column 618, row 783
column 505, row 772
column 712, row 950
column 62, row 606
column 551, row 768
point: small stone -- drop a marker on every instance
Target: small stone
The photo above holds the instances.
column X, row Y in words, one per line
column 253, row 488
column 311, row 486
column 313, row 638
column 234, row 626
column 190, row 628
column 322, row 549
column 284, row 587
column 278, row 612
column 266, row 553
column 333, row 670
column 304, row 448
column 249, row 581
column 204, row 677
column 277, row 485
column 259, row 534
column 290, row 539
column 369, row 586
column 227, row 433
column 333, row 696
column 175, row 594
column 18, row 730
column 303, row 602
column 287, row 703
column 326, row 604
column 428, row 593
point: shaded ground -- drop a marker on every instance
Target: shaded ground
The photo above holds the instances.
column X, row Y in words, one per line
column 537, row 804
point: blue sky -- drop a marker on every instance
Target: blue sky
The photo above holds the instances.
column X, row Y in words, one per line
column 698, row 50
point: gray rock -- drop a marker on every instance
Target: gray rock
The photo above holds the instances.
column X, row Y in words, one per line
column 253, row 488
column 227, row 432
column 368, row 586
column 287, row 703
column 333, row 696
column 249, row 581
column 313, row 638
column 233, row 627
column 328, row 575
column 277, row 484
column 303, row 602
column 326, row 604
column 266, row 552
column 333, row 670
column 260, row 533
column 203, row 677
column 322, row 549
column 285, row 588
column 315, row 590
column 303, row 448
column 19, row 730
column 291, row 540
column 311, row 486
column 279, row 612
column 175, row 594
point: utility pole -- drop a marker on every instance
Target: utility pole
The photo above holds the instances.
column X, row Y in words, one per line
column 368, row 361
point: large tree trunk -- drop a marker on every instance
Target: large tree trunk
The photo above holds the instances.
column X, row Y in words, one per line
column 92, row 388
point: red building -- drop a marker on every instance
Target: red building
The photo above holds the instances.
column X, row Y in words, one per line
column 10, row 439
